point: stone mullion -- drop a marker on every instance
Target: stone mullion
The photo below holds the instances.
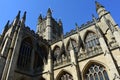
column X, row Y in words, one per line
column 103, row 75
column 30, row 55
column 98, row 75
column 18, row 61
column 93, row 74
column 24, row 58
column 21, row 56
column 67, row 76
column 89, row 76
column 32, row 60
column 27, row 56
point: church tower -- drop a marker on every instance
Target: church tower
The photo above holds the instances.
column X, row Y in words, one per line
column 48, row 27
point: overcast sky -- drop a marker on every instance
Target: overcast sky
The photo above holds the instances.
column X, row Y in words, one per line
column 69, row 11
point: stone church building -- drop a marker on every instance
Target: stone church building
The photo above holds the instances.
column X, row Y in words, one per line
column 89, row 52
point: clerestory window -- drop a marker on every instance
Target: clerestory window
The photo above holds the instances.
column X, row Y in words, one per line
column 91, row 40
column 92, row 44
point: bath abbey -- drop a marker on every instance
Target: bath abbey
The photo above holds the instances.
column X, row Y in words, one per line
column 91, row 51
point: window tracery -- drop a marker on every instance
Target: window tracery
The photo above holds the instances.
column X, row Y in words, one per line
column 65, row 76
column 56, row 55
column 96, row 72
column 24, row 58
column 60, row 57
column 92, row 43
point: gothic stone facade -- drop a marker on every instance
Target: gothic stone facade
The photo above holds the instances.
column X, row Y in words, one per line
column 90, row 52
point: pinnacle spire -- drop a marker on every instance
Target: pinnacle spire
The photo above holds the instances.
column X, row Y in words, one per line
column 16, row 20
column 60, row 22
column 6, row 27
column 77, row 28
column 98, row 5
column 49, row 11
column 7, row 24
column 40, row 16
column 71, row 45
column 18, row 15
column 94, row 19
column 93, row 16
column 62, row 37
column 24, row 16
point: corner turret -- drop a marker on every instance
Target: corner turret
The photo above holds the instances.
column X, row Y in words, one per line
column 100, row 9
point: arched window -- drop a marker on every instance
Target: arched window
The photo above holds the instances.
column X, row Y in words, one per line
column 91, row 40
column 24, row 58
column 56, row 58
column 75, row 45
column 60, row 56
column 96, row 72
column 65, row 76
column 92, row 43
